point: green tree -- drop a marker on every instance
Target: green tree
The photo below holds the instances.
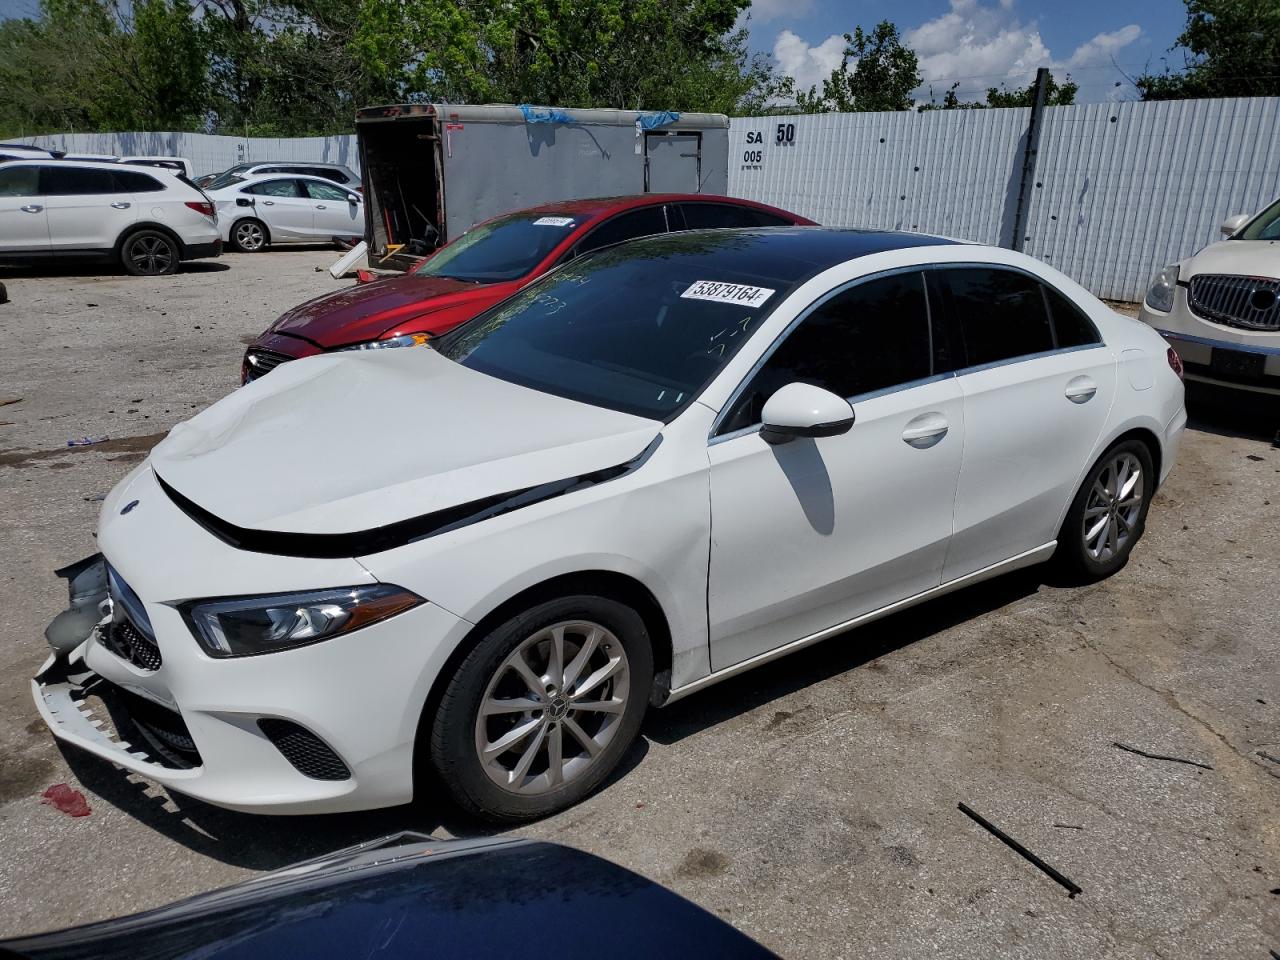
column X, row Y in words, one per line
column 1231, row 48
column 1055, row 95
column 884, row 74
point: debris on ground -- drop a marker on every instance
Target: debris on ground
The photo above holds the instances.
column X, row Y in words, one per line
column 1068, row 826
column 1267, row 756
column 1254, row 457
column 8, row 400
column 67, row 799
column 4, row 294
column 86, row 441
column 95, row 498
column 1161, row 756
column 1071, row 887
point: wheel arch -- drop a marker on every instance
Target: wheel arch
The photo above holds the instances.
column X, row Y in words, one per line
column 610, row 584
column 140, row 225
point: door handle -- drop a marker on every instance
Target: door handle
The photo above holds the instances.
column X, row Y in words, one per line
column 121, row 205
column 1081, row 389
column 268, row 203
column 320, row 206
column 32, row 208
column 925, row 431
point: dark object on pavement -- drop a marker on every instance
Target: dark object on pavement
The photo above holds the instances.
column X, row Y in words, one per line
column 1014, row 845
column 410, row 896
column 1161, row 756
column 67, row 799
column 4, row 294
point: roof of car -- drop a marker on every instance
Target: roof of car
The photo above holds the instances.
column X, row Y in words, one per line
column 592, row 207
column 262, row 177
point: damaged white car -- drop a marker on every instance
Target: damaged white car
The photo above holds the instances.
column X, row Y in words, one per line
column 663, row 464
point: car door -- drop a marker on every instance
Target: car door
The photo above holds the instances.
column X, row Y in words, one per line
column 24, row 225
column 338, row 212
column 1038, row 385
column 640, row 222
column 811, row 533
column 285, row 208
column 86, row 208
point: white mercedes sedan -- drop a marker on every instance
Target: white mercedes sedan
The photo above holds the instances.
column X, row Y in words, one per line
column 266, row 210
column 476, row 564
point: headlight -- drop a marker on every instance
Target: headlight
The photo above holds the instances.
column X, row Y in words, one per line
column 407, row 340
column 1160, row 293
column 244, row 626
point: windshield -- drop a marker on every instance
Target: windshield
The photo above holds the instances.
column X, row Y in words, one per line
column 1265, row 226
column 503, row 249
column 640, row 328
column 224, row 180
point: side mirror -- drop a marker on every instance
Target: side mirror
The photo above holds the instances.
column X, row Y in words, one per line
column 803, row 410
column 244, row 201
column 1233, row 224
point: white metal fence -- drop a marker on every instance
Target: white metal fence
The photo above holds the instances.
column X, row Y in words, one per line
column 1119, row 189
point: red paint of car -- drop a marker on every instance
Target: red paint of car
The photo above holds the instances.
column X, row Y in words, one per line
column 414, row 304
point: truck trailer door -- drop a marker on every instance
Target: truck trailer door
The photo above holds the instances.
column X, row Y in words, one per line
column 673, row 163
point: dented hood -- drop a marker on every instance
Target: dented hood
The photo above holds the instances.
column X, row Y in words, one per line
column 344, row 443
column 1249, row 258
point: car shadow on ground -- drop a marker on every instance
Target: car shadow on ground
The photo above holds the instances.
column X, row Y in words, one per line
column 258, row 842
column 79, row 269
column 1233, row 413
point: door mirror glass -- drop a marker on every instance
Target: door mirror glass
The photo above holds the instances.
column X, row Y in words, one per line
column 803, row 410
column 1233, row 224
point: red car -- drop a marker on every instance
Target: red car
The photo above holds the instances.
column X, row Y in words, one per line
column 487, row 264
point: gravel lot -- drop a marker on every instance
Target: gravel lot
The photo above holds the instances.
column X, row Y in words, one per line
column 812, row 804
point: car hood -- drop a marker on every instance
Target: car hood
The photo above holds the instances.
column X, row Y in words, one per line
column 1251, row 258
column 347, row 443
column 365, row 311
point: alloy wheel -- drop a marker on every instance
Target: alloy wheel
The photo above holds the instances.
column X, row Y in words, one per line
column 249, row 236
column 151, row 255
column 1115, row 503
column 552, row 707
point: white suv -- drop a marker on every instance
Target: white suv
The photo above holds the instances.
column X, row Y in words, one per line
column 146, row 221
column 1221, row 308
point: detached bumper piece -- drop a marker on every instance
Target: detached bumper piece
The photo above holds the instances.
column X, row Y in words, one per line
column 86, row 708
column 310, row 755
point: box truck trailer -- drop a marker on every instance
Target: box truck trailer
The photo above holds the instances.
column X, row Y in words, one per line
column 432, row 170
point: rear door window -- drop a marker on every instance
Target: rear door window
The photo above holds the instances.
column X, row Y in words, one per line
column 127, row 181
column 626, row 226
column 275, row 188
column 701, row 216
column 871, row 337
column 1000, row 314
column 324, row 191
column 1070, row 325
column 71, row 181
column 19, row 181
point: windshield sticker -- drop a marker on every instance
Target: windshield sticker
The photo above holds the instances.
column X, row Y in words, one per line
column 553, row 222
column 736, row 293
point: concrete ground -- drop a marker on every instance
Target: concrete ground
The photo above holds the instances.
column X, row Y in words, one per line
column 813, row 804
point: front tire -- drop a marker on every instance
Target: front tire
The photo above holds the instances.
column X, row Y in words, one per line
column 249, row 235
column 543, row 709
column 1109, row 514
column 150, row 253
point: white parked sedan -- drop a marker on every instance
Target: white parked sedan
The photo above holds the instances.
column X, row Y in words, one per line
column 273, row 208
column 1221, row 308
column 663, row 464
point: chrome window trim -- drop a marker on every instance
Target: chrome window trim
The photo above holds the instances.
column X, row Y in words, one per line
column 1222, row 344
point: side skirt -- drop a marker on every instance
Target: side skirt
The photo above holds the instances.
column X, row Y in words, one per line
column 1027, row 559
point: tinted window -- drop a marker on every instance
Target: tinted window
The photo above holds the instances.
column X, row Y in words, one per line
column 275, row 188
column 327, row 172
column 129, row 182
column 872, row 336
column 1001, row 314
column 322, row 191
column 19, row 181
column 74, row 181
column 698, row 216
column 502, row 249
column 640, row 328
column 626, row 226
column 1070, row 325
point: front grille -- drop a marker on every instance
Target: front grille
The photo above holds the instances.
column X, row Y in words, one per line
column 129, row 643
column 310, row 755
column 258, row 363
column 155, row 731
column 1252, row 303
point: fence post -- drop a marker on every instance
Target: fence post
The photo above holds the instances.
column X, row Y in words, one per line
column 1029, row 160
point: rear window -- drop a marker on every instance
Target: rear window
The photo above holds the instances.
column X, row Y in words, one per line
column 131, row 182
column 641, row 328
column 502, row 249
column 702, row 216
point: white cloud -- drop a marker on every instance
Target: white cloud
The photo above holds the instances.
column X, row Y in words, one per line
column 981, row 45
column 808, row 64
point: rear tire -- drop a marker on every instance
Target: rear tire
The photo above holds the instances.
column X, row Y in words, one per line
column 150, row 253
column 1109, row 513
column 508, row 752
column 249, row 235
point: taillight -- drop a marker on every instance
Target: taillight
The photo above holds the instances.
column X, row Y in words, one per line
column 1175, row 362
column 201, row 206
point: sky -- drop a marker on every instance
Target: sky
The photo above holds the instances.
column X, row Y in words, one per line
column 981, row 43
